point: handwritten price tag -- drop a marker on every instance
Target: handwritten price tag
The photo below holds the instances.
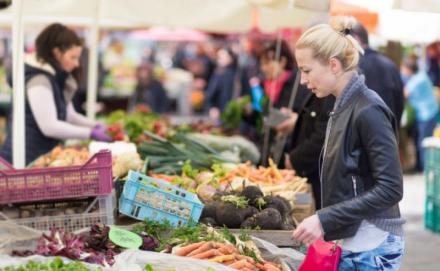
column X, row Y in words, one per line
column 124, row 238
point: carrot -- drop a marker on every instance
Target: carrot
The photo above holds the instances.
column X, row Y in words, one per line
column 256, row 177
column 183, row 251
column 278, row 175
column 244, row 257
column 248, row 172
column 229, row 262
column 266, row 172
column 207, row 254
column 271, row 267
column 238, row 264
column 260, row 266
column 227, row 249
column 205, row 247
column 222, row 258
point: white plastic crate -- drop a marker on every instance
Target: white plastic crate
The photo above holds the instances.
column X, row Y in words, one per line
column 93, row 210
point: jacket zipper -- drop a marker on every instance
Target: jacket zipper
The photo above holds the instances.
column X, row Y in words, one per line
column 323, row 156
column 354, row 185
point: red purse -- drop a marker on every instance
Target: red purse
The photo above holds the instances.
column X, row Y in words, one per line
column 322, row 256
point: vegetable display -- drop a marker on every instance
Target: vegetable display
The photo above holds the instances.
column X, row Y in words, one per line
column 247, row 149
column 63, row 156
column 55, row 265
column 168, row 156
column 95, row 247
column 134, row 124
column 206, row 243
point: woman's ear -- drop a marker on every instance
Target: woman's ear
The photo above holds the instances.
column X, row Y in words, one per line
column 56, row 53
column 283, row 62
column 335, row 66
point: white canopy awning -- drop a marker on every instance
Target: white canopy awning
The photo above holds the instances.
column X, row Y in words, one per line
column 408, row 21
column 208, row 15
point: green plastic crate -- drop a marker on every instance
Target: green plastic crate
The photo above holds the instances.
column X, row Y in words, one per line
column 432, row 158
column 432, row 214
column 432, row 177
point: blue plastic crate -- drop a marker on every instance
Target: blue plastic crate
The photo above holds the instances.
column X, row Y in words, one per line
column 146, row 197
column 432, row 214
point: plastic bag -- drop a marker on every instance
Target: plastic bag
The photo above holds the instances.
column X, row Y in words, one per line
column 289, row 258
column 13, row 236
column 135, row 260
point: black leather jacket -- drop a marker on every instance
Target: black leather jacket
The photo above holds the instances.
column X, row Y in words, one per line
column 360, row 173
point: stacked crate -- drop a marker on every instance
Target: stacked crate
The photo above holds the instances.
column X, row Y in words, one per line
column 60, row 197
column 432, row 176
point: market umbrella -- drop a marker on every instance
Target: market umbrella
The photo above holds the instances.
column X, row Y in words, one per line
column 168, row 34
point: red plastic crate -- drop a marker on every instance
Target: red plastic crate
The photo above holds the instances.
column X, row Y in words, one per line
column 94, row 178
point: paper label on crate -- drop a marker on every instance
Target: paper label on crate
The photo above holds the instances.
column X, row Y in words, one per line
column 124, row 238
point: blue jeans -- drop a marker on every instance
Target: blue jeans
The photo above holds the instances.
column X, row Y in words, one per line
column 386, row 257
column 424, row 129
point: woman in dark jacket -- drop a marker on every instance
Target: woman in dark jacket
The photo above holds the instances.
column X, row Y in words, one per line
column 149, row 91
column 308, row 115
column 221, row 85
column 361, row 178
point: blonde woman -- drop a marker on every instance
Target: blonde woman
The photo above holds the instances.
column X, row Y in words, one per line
column 360, row 174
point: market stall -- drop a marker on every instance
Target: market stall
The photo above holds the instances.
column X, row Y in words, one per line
column 193, row 192
column 168, row 174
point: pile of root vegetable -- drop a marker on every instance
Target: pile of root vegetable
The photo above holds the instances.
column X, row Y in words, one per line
column 248, row 209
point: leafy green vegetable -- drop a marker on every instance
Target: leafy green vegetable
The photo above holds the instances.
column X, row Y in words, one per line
column 219, row 170
column 232, row 115
column 250, row 253
column 134, row 123
column 228, row 235
column 189, row 171
column 169, row 156
column 56, row 264
column 239, row 201
column 260, row 202
column 191, row 233
column 153, row 228
column 149, row 267
column 244, row 235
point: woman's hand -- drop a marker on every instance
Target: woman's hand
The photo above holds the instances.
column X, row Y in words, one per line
column 99, row 133
column 214, row 113
column 309, row 230
column 288, row 125
column 287, row 162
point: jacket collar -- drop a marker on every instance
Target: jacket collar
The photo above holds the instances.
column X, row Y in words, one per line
column 33, row 61
column 69, row 83
column 351, row 90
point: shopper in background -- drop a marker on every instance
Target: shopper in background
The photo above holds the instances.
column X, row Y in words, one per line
column 51, row 79
column 360, row 172
column 420, row 94
column 221, row 85
column 381, row 74
column 149, row 91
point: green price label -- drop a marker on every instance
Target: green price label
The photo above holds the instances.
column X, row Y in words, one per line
column 124, row 238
